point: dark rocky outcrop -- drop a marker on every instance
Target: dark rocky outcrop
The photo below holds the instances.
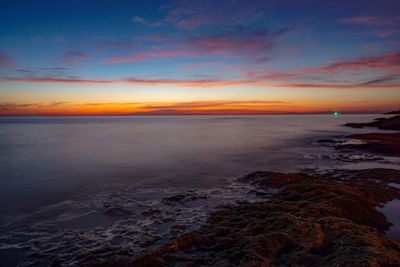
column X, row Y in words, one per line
column 392, row 123
column 378, row 143
column 393, row 112
column 311, row 221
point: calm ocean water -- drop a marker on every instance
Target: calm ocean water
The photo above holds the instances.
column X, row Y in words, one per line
column 45, row 161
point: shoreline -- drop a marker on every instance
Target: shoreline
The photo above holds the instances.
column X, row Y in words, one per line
column 125, row 226
column 310, row 220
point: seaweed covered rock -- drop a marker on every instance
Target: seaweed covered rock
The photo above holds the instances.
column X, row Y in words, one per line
column 311, row 221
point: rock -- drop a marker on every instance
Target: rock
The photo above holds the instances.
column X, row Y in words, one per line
column 356, row 125
column 265, row 179
column 181, row 198
column 150, row 212
column 311, row 221
column 393, row 112
column 392, row 123
column 149, row 241
column 179, row 226
column 118, row 211
column 379, row 143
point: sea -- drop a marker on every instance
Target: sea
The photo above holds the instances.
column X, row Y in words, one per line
column 76, row 189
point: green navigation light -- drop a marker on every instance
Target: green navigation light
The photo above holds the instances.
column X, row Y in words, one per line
column 336, row 113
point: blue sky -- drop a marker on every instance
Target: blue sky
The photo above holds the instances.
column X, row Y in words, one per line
column 58, row 56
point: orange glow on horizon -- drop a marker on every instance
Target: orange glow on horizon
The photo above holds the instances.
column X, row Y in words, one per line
column 256, row 107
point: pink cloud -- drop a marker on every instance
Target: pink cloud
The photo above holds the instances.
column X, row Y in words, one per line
column 203, row 63
column 371, row 20
column 203, row 83
column 387, row 63
column 71, row 58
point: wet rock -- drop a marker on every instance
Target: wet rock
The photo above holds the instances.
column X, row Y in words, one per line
column 118, row 211
column 356, row 125
column 393, row 112
column 312, row 221
column 168, row 219
column 150, row 212
column 392, row 123
column 266, row 180
column 181, row 198
column 379, row 143
column 179, row 226
column 149, row 241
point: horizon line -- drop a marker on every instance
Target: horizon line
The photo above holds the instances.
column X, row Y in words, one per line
column 194, row 114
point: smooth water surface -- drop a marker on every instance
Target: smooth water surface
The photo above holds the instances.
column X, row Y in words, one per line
column 72, row 186
column 45, row 160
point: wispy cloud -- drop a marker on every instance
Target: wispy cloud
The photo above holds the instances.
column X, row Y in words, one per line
column 381, row 26
column 379, row 80
column 53, row 80
column 55, row 71
column 116, row 45
column 203, row 63
column 192, row 14
column 206, row 83
column 17, row 107
column 371, row 20
column 141, row 20
column 236, row 42
column 385, row 64
column 73, row 57
column 250, row 44
column 6, row 61
column 216, row 103
column 142, row 56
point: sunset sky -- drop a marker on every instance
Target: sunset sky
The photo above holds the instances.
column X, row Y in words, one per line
column 198, row 57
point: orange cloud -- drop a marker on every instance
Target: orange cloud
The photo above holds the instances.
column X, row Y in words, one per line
column 217, row 107
column 142, row 56
column 135, row 108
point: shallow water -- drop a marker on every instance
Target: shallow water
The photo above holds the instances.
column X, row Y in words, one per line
column 86, row 181
column 392, row 213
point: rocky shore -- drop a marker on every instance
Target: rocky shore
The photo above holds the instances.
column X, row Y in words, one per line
column 392, row 123
column 310, row 220
column 379, row 143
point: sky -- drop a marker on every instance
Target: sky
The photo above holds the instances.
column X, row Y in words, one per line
column 198, row 57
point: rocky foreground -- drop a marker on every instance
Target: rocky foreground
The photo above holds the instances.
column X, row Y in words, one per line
column 324, row 220
column 310, row 221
